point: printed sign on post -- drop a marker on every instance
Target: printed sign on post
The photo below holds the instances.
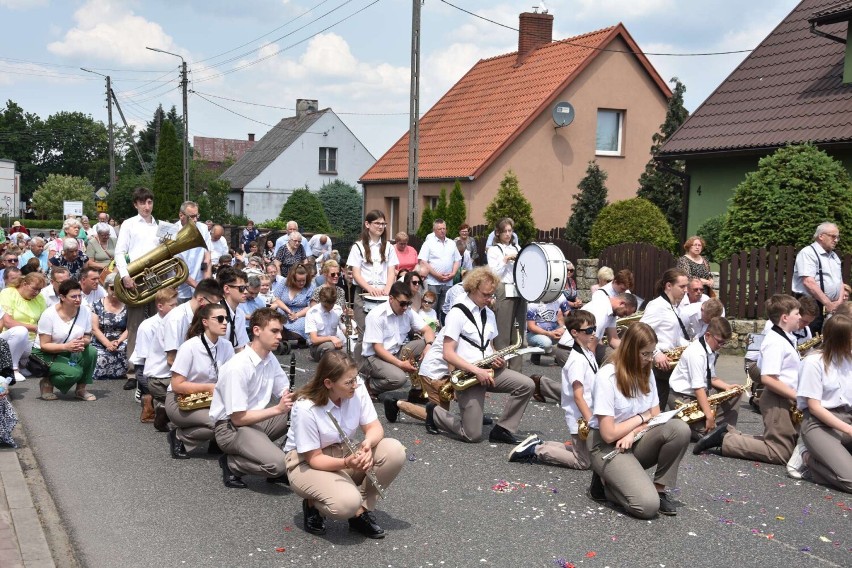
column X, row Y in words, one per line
column 72, row 208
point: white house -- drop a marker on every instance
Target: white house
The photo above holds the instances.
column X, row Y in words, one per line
column 310, row 149
column 10, row 183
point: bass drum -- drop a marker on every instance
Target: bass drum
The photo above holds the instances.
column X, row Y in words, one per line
column 540, row 272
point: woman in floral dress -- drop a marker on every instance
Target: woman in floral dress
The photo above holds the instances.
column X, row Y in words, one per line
column 109, row 328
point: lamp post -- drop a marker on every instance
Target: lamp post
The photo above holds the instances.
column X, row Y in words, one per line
column 111, row 135
column 184, row 86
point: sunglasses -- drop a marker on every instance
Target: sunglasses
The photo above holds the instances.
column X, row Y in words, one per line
column 241, row 288
column 404, row 303
column 569, row 270
column 220, row 319
column 415, row 282
column 333, row 274
column 428, row 302
column 588, row 330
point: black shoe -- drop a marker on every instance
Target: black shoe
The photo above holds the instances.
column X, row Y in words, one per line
column 487, row 421
column 314, row 522
column 391, row 409
column 280, row 479
column 535, row 358
column 214, row 449
column 711, row 440
column 501, row 435
column 525, row 451
column 228, row 478
column 161, row 419
column 430, row 419
column 129, row 385
column 596, row 489
column 176, row 447
column 666, row 505
column 366, row 525
column 415, row 396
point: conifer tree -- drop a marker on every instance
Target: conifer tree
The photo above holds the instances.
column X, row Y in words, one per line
column 510, row 202
column 587, row 205
column 426, row 219
column 456, row 210
column 168, row 177
column 305, row 207
column 440, row 211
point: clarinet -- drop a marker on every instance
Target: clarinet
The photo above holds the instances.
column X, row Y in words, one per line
column 291, row 375
column 353, row 449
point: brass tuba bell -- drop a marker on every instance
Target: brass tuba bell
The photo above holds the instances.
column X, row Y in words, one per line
column 158, row 269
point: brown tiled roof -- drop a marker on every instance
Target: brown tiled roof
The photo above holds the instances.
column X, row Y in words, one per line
column 837, row 10
column 492, row 104
column 789, row 89
column 219, row 149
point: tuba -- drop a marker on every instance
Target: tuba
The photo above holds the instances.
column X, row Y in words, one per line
column 159, row 269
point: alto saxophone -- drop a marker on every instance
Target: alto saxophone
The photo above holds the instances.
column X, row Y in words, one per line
column 690, row 412
column 796, row 415
column 673, row 355
column 805, row 346
column 407, row 354
column 583, row 428
column 195, row 400
column 463, row 380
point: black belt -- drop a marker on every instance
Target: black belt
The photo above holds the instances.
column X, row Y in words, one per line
column 565, row 347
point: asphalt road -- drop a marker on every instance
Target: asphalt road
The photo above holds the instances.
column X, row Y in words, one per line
column 125, row 502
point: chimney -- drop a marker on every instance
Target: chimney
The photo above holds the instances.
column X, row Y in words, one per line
column 251, row 136
column 305, row 107
column 535, row 30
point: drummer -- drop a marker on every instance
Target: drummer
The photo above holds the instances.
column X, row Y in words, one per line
column 373, row 262
column 510, row 309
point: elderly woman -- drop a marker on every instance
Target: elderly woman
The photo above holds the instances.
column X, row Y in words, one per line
column 8, row 416
column 468, row 241
column 695, row 265
column 84, row 223
column 293, row 298
column 101, row 249
column 109, row 327
column 71, row 258
column 22, row 306
column 569, row 291
column 64, row 339
column 291, row 254
column 71, row 228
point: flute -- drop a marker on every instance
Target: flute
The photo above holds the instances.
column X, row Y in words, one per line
column 616, row 451
column 353, row 449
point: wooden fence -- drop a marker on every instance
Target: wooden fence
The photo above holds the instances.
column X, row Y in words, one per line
column 646, row 261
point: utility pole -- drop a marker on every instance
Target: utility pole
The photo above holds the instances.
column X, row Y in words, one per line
column 184, row 83
column 414, row 118
column 132, row 140
column 111, row 133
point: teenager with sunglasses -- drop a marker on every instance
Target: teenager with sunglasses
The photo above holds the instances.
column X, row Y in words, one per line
column 196, row 370
column 234, row 285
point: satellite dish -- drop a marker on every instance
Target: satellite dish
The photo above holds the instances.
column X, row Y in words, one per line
column 563, row 114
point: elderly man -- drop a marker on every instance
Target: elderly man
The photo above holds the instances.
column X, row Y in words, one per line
column 218, row 243
column 817, row 272
column 439, row 260
column 103, row 218
column 37, row 250
column 282, row 240
column 319, row 247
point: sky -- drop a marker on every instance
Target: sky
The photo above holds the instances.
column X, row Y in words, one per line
column 249, row 61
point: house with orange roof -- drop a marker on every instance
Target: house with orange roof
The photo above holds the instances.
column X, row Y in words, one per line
column 499, row 116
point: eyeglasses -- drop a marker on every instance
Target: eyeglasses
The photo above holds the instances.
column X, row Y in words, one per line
column 569, row 270
column 719, row 341
column 350, row 383
column 403, row 303
column 647, row 354
column 192, row 216
column 833, row 236
column 220, row 319
column 427, row 302
column 11, row 260
column 489, row 296
column 379, row 223
column 588, row 330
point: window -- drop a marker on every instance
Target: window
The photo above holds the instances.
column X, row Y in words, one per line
column 609, row 135
column 392, row 207
column 328, row 160
column 431, row 202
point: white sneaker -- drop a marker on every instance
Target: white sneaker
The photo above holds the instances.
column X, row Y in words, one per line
column 19, row 377
column 796, row 467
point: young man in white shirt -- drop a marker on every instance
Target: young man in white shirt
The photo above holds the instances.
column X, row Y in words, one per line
column 149, row 356
column 177, row 322
column 779, row 375
column 245, row 428
column 234, row 286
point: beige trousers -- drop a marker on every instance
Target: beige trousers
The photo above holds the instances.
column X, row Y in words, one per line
column 386, row 377
column 508, row 311
column 573, row 456
column 779, row 434
column 830, row 451
column 252, row 450
column 193, row 427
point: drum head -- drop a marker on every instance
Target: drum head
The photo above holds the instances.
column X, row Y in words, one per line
column 540, row 271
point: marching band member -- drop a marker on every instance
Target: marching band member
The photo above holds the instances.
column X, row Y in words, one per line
column 149, row 357
column 697, row 322
column 469, row 331
column 779, row 362
column 625, row 399
column 386, row 334
column 808, row 310
column 332, row 481
column 196, row 370
column 246, row 429
column 825, row 396
column 509, row 308
column 621, row 283
column 234, row 285
column 373, row 261
column 663, row 315
column 695, row 375
column 322, row 323
column 578, row 376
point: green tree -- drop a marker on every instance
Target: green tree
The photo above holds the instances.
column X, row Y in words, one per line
column 343, row 205
column 120, row 200
column 510, row 202
column 426, row 219
column 73, row 143
column 710, row 231
column 587, row 205
column 793, row 190
column 440, row 211
column 663, row 188
column 48, row 198
column 304, row 206
column 456, row 210
column 19, row 135
column 210, row 192
column 634, row 220
column 168, row 177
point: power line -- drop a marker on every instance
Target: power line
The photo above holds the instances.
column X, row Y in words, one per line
column 15, row 60
column 290, row 108
column 273, row 126
column 601, row 48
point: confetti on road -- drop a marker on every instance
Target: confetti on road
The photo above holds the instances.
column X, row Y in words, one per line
column 280, row 549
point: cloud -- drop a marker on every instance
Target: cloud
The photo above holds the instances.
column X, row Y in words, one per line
column 12, row 73
column 22, row 4
column 109, row 30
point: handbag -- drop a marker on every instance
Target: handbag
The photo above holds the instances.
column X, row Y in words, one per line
column 40, row 366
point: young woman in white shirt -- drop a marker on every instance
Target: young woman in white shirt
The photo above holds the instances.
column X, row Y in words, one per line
column 825, row 396
column 332, row 481
column 625, row 399
column 196, row 370
column 509, row 308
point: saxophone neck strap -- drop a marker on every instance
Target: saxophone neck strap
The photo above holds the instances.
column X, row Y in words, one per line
column 483, row 343
column 707, row 353
column 781, row 332
column 210, row 353
column 579, row 349
column 674, row 311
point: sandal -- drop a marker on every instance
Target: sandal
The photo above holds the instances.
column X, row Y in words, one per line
column 46, row 394
column 87, row 396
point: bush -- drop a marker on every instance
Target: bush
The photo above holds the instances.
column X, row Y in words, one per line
column 456, row 210
column 343, row 205
column 120, row 201
column 273, row 224
column 709, row 231
column 634, row 220
column 305, row 208
column 41, row 223
column 426, row 223
column 793, row 190
column 510, row 202
column 48, row 198
column 587, row 206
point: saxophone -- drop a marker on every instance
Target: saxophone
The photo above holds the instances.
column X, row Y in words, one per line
column 690, row 412
column 805, row 346
column 463, row 380
column 796, row 415
column 583, row 428
column 195, row 400
column 673, row 355
column 407, row 354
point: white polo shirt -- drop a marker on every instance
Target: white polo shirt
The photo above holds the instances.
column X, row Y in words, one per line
column 193, row 362
column 663, row 318
column 175, row 325
column 832, row 388
column 813, row 261
column 580, row 367
column 236, row 321
column 691, row 371
column 778, row 357
column 601, row 308
column 607, row 400
column 135, row 239
column 93, row 296
column 383, row 326
column 247, row 382
column 440, row 255
column 496, row 261
column 374, row 272
column 324, row 323
column 149, row 348
column 433, row 366
column 194, row 258
column 457, row 325
column 312, row 429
